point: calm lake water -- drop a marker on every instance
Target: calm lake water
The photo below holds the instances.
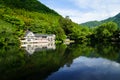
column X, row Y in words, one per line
column 60, row 62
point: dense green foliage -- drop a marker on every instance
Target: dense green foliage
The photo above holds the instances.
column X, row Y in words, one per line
column 74, row 31
column 30, row 5
column 22, row 17
column 17, row 16
column 108, row 31
column 91, row 23
column 105, row 31
column 8, row 34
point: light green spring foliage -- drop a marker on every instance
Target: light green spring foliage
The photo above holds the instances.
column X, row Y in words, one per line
column 8, row 34
column 22, row 20
column 106, row 30
column 74, row 31
column 19, row 18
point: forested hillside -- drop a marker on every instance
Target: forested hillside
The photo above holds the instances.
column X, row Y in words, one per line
column 17, row 16
column 91, row 23
column 29, row 5
column 115, row 19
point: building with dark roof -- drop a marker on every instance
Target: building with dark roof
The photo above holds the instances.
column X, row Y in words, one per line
column 30, row 37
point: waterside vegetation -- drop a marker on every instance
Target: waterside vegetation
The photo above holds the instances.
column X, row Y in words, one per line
column 16, row 18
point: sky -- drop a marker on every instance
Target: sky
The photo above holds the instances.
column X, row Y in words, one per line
column 81, row 11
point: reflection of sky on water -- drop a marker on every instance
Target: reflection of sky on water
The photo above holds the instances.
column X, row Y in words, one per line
column 84, row 68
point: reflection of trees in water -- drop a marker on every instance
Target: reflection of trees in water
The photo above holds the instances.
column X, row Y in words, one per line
column 108, row 51
column 11, row 59
column 17, row 65
column 37, row 66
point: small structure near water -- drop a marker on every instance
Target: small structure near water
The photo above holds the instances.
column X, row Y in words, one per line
column 36, row 42
column 30, row 37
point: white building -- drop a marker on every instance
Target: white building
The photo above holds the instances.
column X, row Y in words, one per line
column 36, row 42
column 30, row 37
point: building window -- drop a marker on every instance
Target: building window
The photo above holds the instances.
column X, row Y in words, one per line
column 29, row 40
column 44, row 36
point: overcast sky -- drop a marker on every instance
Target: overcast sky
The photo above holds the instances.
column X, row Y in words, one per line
column 84, row 10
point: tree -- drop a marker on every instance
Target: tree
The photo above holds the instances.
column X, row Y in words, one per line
column 66, row 24
column 106, row 30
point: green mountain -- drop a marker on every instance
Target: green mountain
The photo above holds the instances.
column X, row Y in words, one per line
column 92, row 23
column 16, row 16
column 115, row 19
column 30, row 5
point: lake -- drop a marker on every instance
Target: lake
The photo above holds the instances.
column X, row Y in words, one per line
column 60, row 62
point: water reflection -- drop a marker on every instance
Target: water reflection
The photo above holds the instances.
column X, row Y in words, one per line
column 47, row 64
column 36, row 47
column 84, row 68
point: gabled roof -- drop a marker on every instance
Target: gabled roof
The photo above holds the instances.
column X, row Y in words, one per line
column 37, row 35
column 27, row 32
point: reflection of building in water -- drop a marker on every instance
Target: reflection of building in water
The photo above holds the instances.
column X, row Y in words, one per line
column 35, row 47
column 36, row 42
